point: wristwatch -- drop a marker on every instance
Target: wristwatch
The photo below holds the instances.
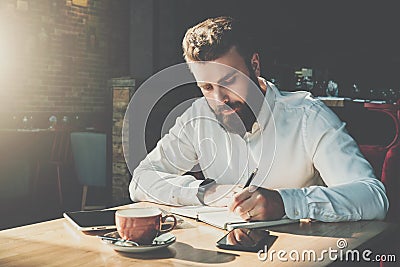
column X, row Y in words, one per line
column 207, row 183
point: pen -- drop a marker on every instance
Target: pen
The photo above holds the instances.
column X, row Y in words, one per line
column 251, row 178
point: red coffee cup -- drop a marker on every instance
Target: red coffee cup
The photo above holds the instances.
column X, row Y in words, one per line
column 142, row 225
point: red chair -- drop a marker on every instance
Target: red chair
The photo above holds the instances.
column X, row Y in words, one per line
column 386, row 160
column 391, row 178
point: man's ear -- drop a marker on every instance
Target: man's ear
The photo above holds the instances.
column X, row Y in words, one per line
column 255, row 64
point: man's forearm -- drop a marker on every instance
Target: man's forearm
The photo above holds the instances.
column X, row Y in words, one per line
column 360, row 200
column 160, row 187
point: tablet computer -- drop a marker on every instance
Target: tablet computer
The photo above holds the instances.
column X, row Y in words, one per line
column 92, row 220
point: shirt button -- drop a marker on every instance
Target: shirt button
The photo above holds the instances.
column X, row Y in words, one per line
column 296, row 212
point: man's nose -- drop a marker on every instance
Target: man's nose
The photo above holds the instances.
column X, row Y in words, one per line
column 221, row 95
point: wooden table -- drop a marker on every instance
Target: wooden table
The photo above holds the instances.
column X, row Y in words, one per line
column 57, row 243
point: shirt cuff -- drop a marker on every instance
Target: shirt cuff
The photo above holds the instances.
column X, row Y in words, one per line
column 188, row 194
column 294, row 200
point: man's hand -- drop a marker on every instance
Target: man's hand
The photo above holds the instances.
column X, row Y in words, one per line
column 258, row 204
column 221, row 195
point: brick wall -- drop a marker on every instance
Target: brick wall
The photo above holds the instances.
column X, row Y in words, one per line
column 122, row 90
column 57, row 57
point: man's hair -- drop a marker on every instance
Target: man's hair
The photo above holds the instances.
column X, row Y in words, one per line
column 214, row 37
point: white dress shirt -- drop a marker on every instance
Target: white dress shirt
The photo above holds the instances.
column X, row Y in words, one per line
column 299, row 145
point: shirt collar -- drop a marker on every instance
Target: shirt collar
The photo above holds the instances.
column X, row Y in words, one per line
column 266, row 109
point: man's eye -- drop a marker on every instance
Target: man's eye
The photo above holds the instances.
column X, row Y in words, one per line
column 207, row 87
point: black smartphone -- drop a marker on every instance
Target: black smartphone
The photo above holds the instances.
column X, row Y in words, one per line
column 92, row 220
column 245, row 239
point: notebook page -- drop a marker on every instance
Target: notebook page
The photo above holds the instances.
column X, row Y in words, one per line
column 194, row 211
column 220, row 219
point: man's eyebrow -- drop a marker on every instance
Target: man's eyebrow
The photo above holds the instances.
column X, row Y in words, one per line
column 226, row 77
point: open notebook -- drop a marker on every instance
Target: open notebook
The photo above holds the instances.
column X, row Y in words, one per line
column 222, row 218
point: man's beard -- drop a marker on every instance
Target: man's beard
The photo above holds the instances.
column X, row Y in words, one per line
column 239, row 122
column 242, row 120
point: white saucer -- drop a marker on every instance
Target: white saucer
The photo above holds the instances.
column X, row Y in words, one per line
column 159, row 242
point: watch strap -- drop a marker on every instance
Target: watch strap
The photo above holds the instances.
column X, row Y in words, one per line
column 207, row 183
